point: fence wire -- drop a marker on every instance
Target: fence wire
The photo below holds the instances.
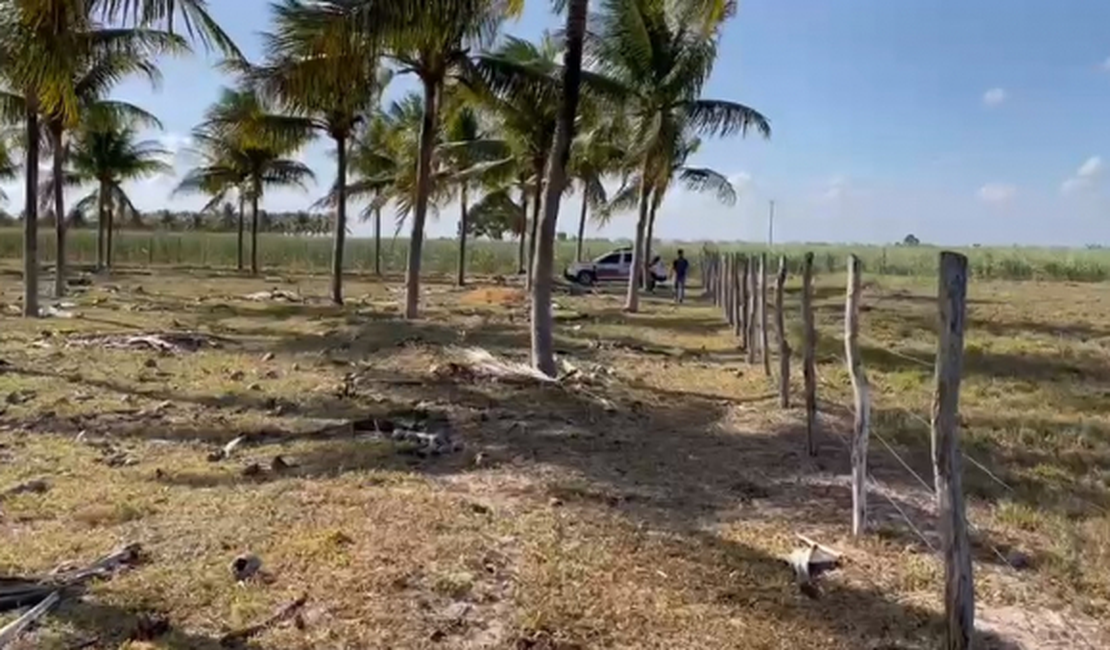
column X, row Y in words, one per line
column 930, row 489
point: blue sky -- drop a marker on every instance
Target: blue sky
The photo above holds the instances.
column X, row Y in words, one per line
column 960, row 122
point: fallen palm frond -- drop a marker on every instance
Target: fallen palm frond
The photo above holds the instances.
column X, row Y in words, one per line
column 157, row 341
column 44, row 592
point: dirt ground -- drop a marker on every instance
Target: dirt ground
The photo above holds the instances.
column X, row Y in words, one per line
column 646, row 501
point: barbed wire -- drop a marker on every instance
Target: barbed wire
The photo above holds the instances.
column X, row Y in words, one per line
column 931, row 490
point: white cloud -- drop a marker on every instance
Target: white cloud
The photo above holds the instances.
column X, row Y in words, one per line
column 1084, row 177
column 996, row 192
column 836, row 188
column 741, row 181
column 994, row 97
column 1090, row 167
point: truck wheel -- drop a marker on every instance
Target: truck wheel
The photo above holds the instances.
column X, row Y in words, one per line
column 585, row 278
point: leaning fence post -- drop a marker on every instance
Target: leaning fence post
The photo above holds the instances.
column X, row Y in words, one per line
column 780, row 327
column 862, row 399
column 763, row 314
column 959, row 591
column 809, row 361
column 742, row 301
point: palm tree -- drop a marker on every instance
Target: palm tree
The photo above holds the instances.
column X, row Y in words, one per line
column 432, row 39
column 239, row 147
column 519, row 85
column 462, row 132
column 595, row 153
column 663, row 53
column 543, row 340
column 8, row 167
column 113, row 54
column 328, row 79
column 694, row 179
column 105, row 151
column 384, row 159
column 43, row 44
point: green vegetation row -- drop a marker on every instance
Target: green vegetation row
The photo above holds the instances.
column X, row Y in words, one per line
column 313, row 254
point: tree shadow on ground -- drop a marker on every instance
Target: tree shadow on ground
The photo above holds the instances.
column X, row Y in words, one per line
column 110, row 625
column 676, row 465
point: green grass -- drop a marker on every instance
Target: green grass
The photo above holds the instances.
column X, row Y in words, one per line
column 313, row 254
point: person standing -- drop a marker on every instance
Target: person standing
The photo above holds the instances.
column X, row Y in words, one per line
column 681, row 266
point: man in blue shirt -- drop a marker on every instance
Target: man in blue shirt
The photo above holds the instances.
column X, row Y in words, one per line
column 681, row 265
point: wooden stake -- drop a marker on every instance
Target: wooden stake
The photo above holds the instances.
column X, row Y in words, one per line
column 753, row 291
column 763, row 347
column 742, row 303
column 780, row 327
column 730, row 288
column 862, row 399
column 959, row 591
column 809, row 355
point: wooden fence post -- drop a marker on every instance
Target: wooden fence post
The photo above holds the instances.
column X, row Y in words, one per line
column 753, row 291
column 809, row 354
column 742, row 303
column 763, row 314
column 720, row 278
column 862, row 399
column 959, row 592
column 730, row 288
column 712, row 286
column 780, row 327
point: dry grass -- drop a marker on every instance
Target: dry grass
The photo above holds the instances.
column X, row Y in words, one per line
column 562, row 523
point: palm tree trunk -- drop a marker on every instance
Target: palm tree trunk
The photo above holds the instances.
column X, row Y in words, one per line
column 581, row 226
column 423, row 190
column 254, row 223
column 651, row 230
column 31, row 217
column 535, row 225
column 101, row 223
column 632, row 301
column 110, row 227
column 340, row 222
column 463, row 227
column 239, row 242
column 523, row 230
column 543, row 339
column 59, row 213
column 378, row 242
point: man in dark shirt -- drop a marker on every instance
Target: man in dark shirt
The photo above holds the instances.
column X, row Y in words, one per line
column 681, row 265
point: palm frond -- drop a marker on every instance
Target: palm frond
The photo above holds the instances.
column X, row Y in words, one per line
column 703, row 179
column 716, row 117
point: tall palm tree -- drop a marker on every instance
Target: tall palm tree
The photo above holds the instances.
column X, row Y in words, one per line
column 543, row 339
column 328, row 79
column 431, row 39
column 42, row 46
column 238, row 145
column 596, row 152
column 694, row 179
column 105, row 151
column 663, row 53
column 519, row 84
column 384, row 159
column 114, row 120
column 112, row 55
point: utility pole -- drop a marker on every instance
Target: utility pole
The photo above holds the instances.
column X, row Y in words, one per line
column 771, row 226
